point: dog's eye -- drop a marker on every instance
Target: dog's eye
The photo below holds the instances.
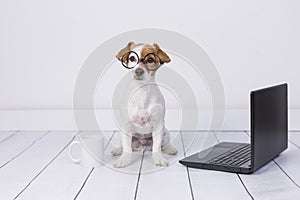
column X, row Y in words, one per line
column 150, row 60
column 132, row 59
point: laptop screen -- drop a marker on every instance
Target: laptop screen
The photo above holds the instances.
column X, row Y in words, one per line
column 269, row 124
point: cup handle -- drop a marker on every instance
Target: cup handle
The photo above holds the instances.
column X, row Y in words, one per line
column 75, row 160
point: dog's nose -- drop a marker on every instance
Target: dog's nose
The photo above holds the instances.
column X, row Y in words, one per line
column 139, row 72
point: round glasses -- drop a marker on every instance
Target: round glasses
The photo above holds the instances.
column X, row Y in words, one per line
column 151, row 61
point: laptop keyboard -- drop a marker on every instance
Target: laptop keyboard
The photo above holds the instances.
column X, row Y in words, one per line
column 236, row 157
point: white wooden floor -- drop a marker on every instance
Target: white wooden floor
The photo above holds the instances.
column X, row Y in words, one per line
column 35, row 165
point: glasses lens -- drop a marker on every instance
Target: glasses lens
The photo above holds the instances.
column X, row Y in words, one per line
column 152, row 61
column 130, row 59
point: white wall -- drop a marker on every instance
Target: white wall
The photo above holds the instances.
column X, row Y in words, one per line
column 43, row 44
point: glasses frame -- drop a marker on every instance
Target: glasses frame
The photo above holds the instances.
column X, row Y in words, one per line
column 141, row 60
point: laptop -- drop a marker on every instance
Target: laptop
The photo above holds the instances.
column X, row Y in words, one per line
column 269, row 136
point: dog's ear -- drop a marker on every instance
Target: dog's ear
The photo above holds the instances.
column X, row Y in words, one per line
column 129, row 47
column 163, row 56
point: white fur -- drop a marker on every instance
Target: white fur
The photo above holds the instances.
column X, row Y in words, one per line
column 142, row 116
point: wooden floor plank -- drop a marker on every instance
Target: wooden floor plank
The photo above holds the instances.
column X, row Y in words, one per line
column 213, row 184
column 294, row 137
column 270, row 182
column 5, row 135
column 71, row 177
column 165, row 182
column 15, row 176
column 107, row 182
column 289, row 160
column 11, row 148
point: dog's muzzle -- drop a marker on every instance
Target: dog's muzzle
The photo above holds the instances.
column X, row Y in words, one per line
column 139, row 72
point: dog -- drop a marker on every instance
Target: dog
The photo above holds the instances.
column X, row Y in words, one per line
column 143, row 109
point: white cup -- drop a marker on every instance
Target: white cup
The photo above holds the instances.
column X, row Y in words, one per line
column 91, row 150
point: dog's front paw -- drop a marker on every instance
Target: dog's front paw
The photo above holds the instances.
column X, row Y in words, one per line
column 159, row 160
column 169, row 149
column 117, row 151
column 123, row 161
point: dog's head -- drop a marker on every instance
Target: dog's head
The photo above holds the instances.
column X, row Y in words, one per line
column 142, row 60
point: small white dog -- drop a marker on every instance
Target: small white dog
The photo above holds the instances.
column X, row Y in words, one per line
column 143, row 111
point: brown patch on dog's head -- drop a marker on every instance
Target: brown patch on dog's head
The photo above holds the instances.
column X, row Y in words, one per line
column 130, row 46
column 147, row 49
column 157, row 50
column 163, row 56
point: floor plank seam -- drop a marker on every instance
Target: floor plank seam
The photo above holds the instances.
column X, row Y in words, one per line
column 289, row 177
column 181, row 138
column 85, row 181
column 8, row 137
column 248, row 192
column 111, row 137
column 217, row 138
column 294, row 144
column 247, row 133
column 24, row 150
column 139, row 176
column 190, row 183
column 44, row 168
column 187, row 169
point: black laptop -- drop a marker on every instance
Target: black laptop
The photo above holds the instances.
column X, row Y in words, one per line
column 269, row 132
